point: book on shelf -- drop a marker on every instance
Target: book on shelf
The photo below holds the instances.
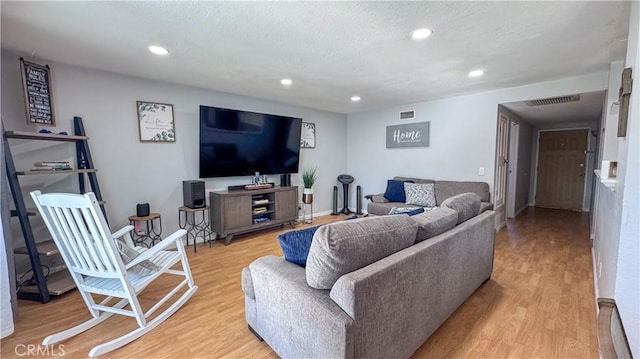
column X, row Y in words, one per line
column 261, row 220
column 58, row 168
column 51, row 165
column 259, row 210
column 261, row 201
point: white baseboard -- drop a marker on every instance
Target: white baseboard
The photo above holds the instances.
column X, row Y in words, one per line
column 596, row 292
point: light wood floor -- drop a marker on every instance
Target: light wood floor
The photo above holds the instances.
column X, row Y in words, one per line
column 538, row 304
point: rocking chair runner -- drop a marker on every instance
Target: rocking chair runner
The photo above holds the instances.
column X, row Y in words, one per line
column 89, row 250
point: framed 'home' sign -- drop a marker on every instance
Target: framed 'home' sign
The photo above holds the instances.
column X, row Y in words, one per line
column 409, row 135
column 38, row 93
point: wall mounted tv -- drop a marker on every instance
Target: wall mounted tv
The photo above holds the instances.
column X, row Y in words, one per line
column 239, row 143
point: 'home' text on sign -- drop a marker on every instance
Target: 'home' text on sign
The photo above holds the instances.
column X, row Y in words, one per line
column 409, row 135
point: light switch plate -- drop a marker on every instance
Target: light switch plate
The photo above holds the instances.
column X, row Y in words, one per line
column 481, row 171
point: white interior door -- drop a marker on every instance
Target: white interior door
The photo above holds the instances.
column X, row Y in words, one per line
column 512, row 168
column 502, row 148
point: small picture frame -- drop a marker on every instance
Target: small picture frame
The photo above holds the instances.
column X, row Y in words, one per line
column 308, row 135
column 38, row 93
column 155, row 122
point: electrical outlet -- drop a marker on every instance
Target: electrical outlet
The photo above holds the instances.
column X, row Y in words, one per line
column 481, row 171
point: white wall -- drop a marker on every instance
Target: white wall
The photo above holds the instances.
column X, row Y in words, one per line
column 627, row 294
column 6, row 266
column 132, row 172
column 609, row 125
column 462, row 138
column 605, row 242
column 6, row 312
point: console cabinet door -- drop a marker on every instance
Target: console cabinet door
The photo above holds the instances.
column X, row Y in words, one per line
column 287, row 204
column 237, row 212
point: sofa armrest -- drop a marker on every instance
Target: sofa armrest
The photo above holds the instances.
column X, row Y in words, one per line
column 295, row 319
column 486, row 206
column 378, row 198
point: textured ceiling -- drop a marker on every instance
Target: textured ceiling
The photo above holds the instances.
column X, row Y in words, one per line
column 587, row 109
column 331, row 50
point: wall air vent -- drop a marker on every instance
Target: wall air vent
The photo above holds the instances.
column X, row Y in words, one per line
column 408, row 115
column 553, row 100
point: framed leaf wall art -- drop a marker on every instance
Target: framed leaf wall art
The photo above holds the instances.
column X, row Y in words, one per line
column 308, row 135
column 155, row 122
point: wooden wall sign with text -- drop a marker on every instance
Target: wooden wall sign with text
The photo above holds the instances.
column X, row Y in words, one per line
column 38, row 93
column 409, row 135
column 625, row 93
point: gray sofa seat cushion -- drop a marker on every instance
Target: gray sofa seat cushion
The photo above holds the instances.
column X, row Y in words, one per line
column 382, row 209
column 434, row 222
column 466, row 204
column 447, row 189
column 342, row 247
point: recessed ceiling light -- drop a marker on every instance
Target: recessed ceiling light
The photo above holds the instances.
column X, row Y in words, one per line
column 419, row 34
column 355, row 98
column 158, row 50
column 286, row 82
column 476, row 73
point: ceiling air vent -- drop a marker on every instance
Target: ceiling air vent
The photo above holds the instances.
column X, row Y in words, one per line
column 553, row 100
column 408, row 115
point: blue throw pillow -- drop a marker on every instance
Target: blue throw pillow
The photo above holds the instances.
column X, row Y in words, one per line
column 395, row 191
column 295, row 245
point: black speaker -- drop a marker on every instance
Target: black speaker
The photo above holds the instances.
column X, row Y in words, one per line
column 285, row 180
column 358, row 200
column 142, row 209
column 193, row 194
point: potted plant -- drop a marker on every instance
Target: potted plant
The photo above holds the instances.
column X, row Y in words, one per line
column 309, row 177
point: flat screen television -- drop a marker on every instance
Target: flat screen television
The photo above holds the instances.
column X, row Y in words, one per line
column 239, row 143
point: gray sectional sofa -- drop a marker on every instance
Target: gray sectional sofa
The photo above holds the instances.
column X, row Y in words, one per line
column 380, row 206
column 374, row 287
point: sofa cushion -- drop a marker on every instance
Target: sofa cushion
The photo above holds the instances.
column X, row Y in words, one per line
column 247, row 283
column 485, row 206
column 341, row 247
column 466, row 204
column 446, row 189
column 295, row 245
column 434, row 222
column 382, row 209
column 412, row 211
column 421, row 194
column 413, row 179
column 395, row 191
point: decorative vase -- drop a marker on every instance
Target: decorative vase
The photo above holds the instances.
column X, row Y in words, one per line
column 307, row 195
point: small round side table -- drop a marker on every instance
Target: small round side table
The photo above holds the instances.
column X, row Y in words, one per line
column 153, row 231
column 196, row 222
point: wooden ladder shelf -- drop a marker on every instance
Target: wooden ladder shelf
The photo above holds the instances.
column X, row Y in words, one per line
column 58, row 282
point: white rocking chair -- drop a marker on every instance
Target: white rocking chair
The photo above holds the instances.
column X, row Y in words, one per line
column 89, row 250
